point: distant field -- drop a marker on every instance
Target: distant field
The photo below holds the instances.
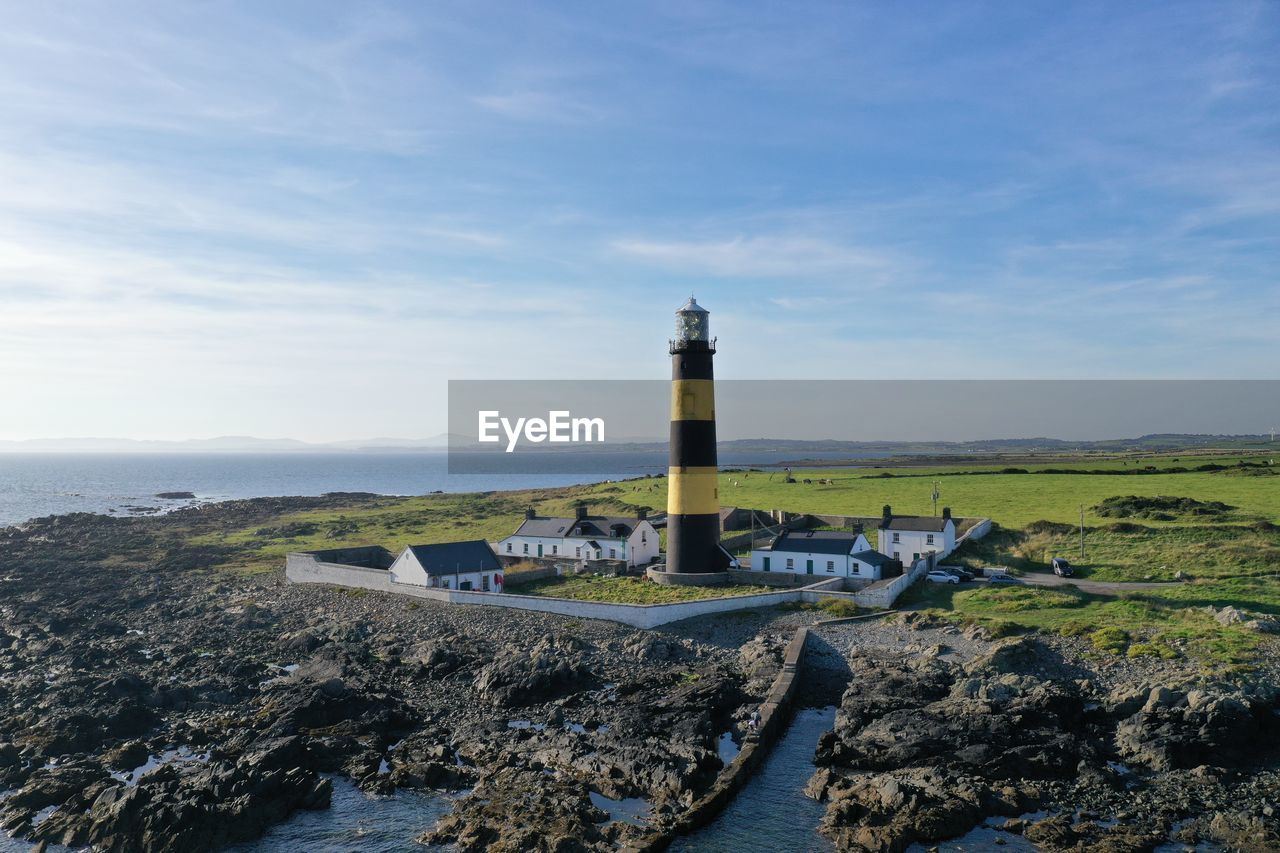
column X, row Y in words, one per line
column 1012, row 500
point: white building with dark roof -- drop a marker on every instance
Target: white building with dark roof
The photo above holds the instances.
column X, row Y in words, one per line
column 469, row 565
column 584, row 537
column 910, row 537
column 822, row 553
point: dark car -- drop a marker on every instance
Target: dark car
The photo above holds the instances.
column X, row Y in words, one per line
column 1062, row 568
column 958, row 572
column 1004, row 577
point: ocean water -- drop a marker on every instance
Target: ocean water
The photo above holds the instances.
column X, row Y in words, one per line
column 40, row 484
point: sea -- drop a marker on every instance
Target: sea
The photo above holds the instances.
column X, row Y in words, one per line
column 33, row 485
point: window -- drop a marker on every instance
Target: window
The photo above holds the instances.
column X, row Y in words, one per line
column 644, row 537
column 613, row 553
column 484, row 582
column 897, row 556
column 831, row 565
column 897, row 537
column 508, row 547
column 526, row 547
column 445, row 583
column 577, row 552
column 929, row 539
column 791, row 563
column 555, row 549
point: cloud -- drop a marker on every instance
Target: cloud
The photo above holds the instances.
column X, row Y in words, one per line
column 759, row 257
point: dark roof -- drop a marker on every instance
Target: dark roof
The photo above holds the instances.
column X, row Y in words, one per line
column 814, row 542
column 445, row 558
column 609, row 527
column 872, row 558
column 914, row 522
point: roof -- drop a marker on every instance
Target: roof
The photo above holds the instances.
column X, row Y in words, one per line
column 445, row 558
column 692, row 307
column 914, row 522
column 814, row 542
column 607, row 527
column 872, row 558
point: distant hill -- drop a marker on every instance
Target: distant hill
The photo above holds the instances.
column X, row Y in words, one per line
column 250, row 444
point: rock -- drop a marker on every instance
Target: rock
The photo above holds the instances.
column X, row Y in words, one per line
column 1230, row 616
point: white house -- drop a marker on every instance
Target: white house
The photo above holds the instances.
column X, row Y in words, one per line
column 910, row 537
column 585, row 537
column 470, row 565
column 820, row 553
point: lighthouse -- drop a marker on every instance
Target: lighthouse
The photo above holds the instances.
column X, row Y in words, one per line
column 693, row 493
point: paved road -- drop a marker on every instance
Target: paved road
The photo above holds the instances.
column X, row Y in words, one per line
column 1046, row 579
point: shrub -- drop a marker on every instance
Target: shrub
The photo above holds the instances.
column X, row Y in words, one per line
column 839, row 607
column 1152, row 650
column 1113, row 640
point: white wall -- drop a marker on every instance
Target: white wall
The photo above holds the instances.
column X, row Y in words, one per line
column 913, row 542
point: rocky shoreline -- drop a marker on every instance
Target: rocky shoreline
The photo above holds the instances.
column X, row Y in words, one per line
column 961, row 728
column 177, row 707
column 151, row 701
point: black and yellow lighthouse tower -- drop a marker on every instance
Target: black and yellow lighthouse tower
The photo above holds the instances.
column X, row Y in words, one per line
column 693, row 495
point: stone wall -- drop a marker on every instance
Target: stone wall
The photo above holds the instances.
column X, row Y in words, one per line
column 775, row 711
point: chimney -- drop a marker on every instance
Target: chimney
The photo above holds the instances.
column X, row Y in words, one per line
column 887, row 513
column 530, row 513
column 946, row 512
column 642, row 513
column 581, row 511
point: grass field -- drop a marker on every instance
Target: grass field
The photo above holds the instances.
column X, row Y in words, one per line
column 1168, row 623
column 629, row 590
column 1012, row 500
column 1133, row 553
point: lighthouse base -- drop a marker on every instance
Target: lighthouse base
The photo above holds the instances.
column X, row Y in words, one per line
column 659, row 574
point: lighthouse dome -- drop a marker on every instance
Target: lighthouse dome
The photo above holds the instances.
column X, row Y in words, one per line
column 692, row 322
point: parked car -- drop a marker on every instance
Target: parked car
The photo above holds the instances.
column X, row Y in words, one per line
column 1062, row 568
column 1004, row 577
column 962, row 574
column 936, row 576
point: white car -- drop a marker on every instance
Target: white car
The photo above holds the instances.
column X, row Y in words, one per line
column 941, row 577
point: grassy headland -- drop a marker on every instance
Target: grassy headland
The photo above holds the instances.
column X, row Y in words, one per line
column 1216, row 522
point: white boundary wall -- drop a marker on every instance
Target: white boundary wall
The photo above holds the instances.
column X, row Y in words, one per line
column 307, row 568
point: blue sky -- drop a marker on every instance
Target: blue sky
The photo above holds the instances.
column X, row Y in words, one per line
column 301, row 219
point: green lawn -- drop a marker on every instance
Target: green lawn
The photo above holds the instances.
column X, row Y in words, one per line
column 628, row 590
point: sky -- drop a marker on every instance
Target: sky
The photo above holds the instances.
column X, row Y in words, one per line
column 303, row 218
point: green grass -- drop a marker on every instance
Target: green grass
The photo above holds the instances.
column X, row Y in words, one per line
column 628, row 590
column 1165, row 623
column 1012, row 500
column 1133, row 552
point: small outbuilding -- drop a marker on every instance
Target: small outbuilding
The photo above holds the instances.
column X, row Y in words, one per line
column 469, row 565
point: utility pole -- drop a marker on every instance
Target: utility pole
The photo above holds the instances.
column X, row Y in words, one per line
column 936, row 495
column 1082, row 531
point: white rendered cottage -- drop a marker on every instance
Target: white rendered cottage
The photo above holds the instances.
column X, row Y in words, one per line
column 825, row 553
column 910, row 537
column 470, row 565
column 584, row 537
